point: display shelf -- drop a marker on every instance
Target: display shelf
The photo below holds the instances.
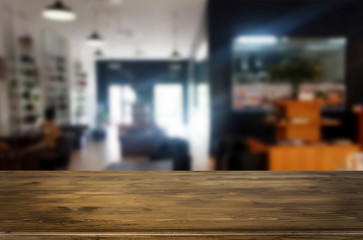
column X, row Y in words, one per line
column 301, row 120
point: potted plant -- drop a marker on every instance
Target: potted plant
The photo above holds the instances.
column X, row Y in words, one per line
column 296, row 72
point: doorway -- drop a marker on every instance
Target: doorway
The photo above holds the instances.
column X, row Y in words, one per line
column 169, row 106
column 121, row 101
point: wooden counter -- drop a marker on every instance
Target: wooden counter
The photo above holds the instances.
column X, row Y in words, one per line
column 163, row 205
column 310, row 157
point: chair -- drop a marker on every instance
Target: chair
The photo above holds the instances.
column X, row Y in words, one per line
column 237, row 153
column 226, row 147
column 355, row 162
column 59, row 157
column 174, row 149
column 53, row 158
column 79, row 132
column 141, row 141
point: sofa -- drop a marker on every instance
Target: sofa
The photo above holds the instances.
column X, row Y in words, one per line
column 140, row 140
column 59, row 157
column 176, row 150
column 80, row 134
column 20, row 157
column 10, row 160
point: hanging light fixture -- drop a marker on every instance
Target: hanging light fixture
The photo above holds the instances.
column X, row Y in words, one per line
column 58, row 11
column 175, row 56
column 95, row 39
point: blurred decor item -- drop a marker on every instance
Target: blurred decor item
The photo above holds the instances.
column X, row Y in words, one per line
column 29, row 85
column 26, row 95
column 36, row 97
column 357, row 109
column 13, row 83
column 306, row 96
column 58, row 11
column 63, row 106
column 30, row 119
column 175, row 55
column 354, row 162
column 95, row 39
column 296, row 72
column 2, row 69
column 29, row 107
column 80, row 97
column 26, row 42
column 26, row 59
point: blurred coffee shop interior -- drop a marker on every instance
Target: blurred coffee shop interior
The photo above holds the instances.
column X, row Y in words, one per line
column 181, row 85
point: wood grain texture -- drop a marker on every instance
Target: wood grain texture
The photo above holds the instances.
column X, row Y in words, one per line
column 181, row 205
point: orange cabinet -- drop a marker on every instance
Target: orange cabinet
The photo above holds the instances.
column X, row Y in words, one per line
column 309, row 157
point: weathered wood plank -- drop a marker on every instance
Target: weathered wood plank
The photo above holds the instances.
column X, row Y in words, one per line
column 221, row 237
column 181, row 205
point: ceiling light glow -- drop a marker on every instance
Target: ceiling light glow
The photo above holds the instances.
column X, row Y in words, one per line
column 257, row 40
column 59, row 12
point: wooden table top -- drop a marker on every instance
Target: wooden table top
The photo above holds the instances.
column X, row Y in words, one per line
column 181, row 205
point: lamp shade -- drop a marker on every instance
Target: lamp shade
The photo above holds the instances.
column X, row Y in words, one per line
column 59, row 12
column 175, row 56
column 95, row 40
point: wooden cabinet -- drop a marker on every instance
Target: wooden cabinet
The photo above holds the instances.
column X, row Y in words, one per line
column 300, row 120
column 181, row 205
column 310, row 157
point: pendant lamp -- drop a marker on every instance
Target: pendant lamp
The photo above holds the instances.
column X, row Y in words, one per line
column 58, row 11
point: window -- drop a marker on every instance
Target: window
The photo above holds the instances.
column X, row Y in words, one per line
column 122, row 100
column 169, row 108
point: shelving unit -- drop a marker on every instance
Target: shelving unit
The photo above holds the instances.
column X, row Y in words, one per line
column 56, row 80
column 80, row 86
column 35, row 75
column 300, row 120
column 24, row 93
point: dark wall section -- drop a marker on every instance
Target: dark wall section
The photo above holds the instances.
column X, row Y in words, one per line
column 299, row 18
column 142, row 75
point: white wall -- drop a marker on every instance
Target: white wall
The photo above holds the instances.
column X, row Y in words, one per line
column 199, row 119
column 89, row 64
column 4, row 114
column 4, row 110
